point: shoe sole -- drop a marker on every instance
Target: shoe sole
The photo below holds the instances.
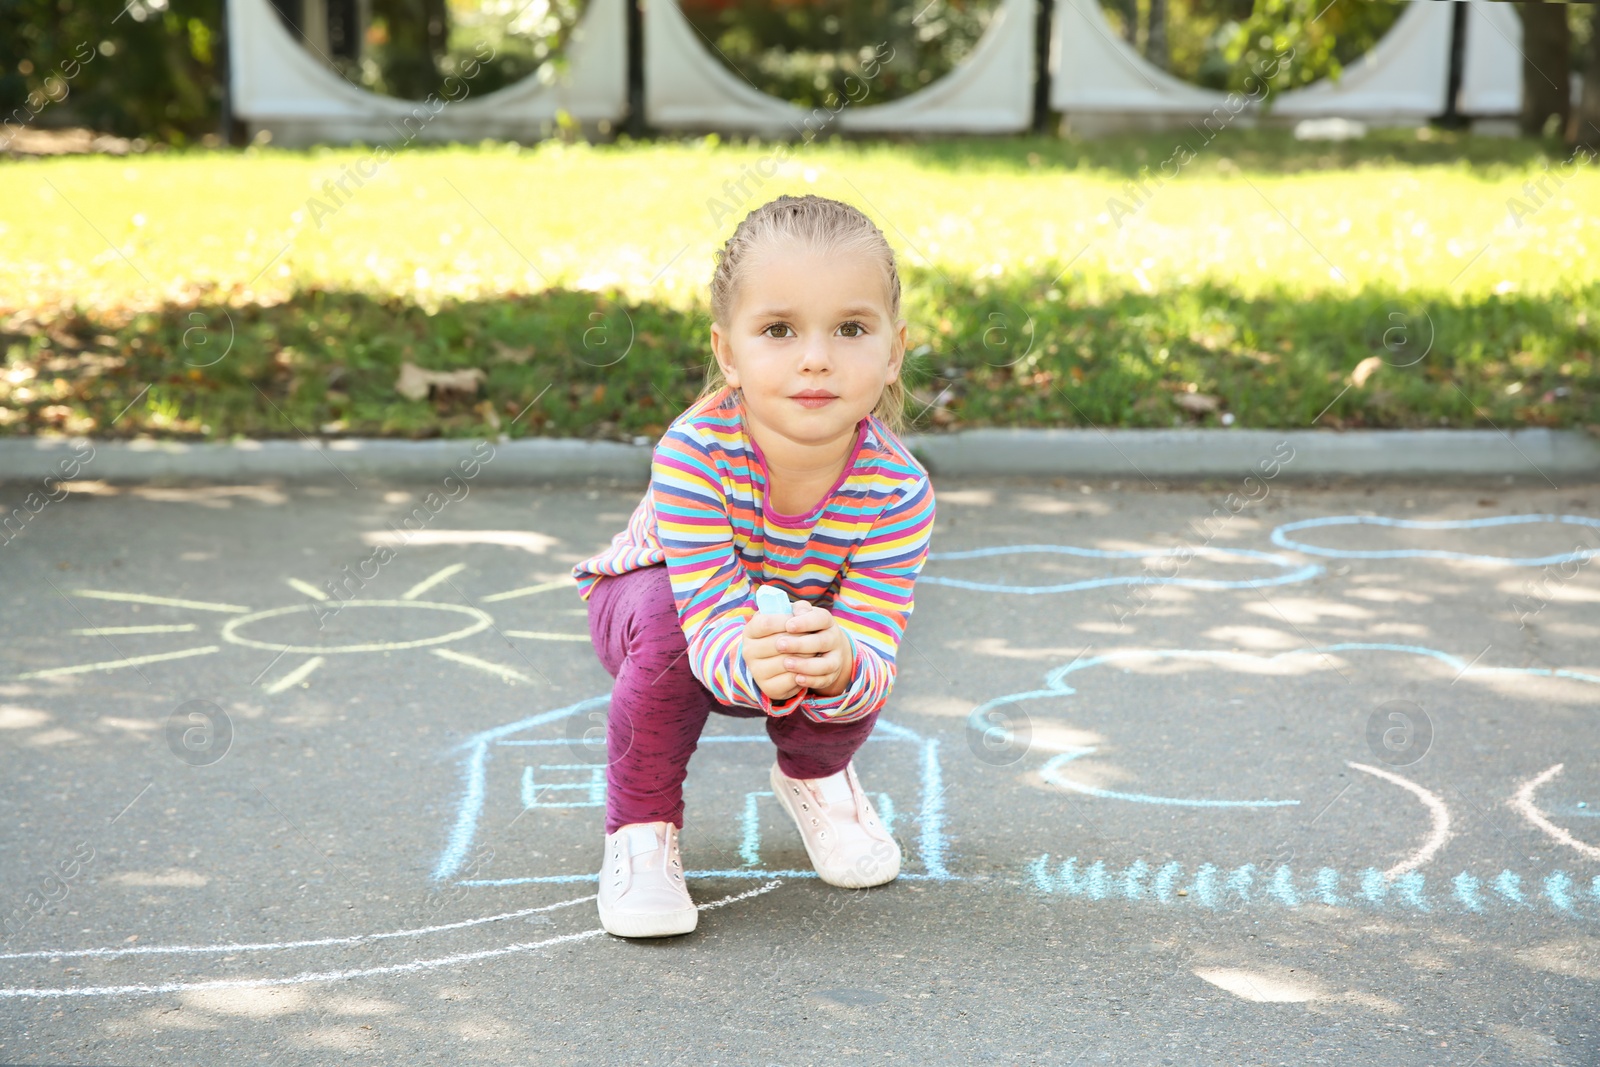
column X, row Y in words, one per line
column 843, row 881
column 667, row 924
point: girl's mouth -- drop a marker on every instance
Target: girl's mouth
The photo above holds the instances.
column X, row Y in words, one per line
column 814, row 398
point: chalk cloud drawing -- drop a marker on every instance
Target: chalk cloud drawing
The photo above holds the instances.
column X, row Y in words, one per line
column 1280, row 536
column 1292, row 571
column 1053, row 770
column 583, row 785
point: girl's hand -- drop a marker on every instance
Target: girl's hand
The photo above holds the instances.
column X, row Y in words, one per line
column 806, row 650
column 759, row 648
column 816, row 649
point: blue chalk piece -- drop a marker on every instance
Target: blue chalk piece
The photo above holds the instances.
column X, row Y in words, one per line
column 1409, row 886
column 770, row 600
column 1558, row 887
column 1466, row 888
column 1167, row 876
column 1328, row 886
column 1241, row 879
column 1282, row 887
column 1594, row 889
column 1205, row 885
column 1131, row 879
column 1373, row 886
column 1509, row 885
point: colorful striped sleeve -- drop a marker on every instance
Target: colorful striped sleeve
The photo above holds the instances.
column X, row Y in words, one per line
column 874, row 602
column 709, row 584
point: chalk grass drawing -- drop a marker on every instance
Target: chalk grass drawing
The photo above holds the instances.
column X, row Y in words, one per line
column 1280, row 537
column 587, row 783
column 1218, row 888
column 1292, row 572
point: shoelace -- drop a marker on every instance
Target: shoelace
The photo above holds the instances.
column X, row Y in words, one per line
column 675, row 863
column 863, row 811
column 862, row 805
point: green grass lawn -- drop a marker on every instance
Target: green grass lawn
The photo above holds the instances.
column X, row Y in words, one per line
column 1380, row 283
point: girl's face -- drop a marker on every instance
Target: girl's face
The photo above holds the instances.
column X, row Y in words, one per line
column 810, row 344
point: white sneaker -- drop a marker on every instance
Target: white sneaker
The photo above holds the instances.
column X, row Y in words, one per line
column 642, row 892
column 847, row 843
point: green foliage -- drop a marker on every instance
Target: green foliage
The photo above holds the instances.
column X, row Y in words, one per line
column 1026, row 304
column 146, row 68
column 470, row 40
column 1219, row 43
column 328, row 361
column 821, row 54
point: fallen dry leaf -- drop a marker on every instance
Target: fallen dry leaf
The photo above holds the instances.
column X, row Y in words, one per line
column 1364, row 370
column 504, row 353
column 1197, row 403
column 414, row 383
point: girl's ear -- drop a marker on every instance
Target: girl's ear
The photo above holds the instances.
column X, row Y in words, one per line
column 898, row 356
column 722, row 351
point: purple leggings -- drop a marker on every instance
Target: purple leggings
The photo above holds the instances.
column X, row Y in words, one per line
column 658, row 706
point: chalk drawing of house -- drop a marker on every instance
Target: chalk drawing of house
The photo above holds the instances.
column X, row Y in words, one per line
column 536, row 766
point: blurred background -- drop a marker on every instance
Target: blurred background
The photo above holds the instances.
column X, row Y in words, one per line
column 418, row 217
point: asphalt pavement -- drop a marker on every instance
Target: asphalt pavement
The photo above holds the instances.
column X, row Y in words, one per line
column 1242, row 773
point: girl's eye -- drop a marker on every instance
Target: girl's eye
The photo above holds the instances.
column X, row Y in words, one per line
column 860, row 329
column 777, row 326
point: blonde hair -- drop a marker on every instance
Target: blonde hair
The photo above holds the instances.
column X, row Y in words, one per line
column 829, row 226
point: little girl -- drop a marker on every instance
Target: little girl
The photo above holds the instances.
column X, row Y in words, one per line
column 786, row 472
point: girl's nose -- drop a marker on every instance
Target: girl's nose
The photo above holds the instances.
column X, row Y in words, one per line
column 816, row 356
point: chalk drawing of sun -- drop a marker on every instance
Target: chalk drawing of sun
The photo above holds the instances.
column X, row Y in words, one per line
column 405, row 622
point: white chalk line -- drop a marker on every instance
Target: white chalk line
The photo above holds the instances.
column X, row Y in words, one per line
column 1522, row 803
column 272, row 946
column 1436, row 808
column 294, row 677
column 307, row 977
column 510, row 674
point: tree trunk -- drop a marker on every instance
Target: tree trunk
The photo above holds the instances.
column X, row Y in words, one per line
column 1546, row 66
column 1156, row 40
column 1586, row 121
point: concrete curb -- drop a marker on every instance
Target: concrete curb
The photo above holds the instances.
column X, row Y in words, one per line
column 1171, row 454
column 1236, row 453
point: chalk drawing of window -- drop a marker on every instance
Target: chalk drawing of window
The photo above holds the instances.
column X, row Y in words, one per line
column 552, row 761
column 592, row 785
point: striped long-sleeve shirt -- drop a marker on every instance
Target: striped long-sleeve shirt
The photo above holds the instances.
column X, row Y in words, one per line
column 856, row 553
